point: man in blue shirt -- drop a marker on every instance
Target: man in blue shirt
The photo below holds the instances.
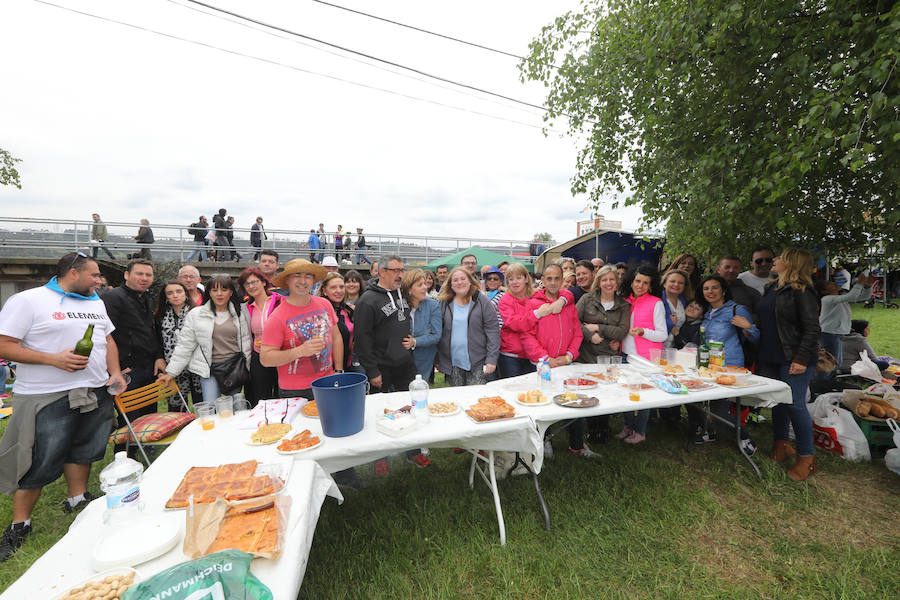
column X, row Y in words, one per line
column 314, row 243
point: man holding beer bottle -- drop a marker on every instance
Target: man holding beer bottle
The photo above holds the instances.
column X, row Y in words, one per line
column 63, row 414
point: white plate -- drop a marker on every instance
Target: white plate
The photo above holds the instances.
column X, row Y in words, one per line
column 249, row 442
column 449, row 414
column 292, row 452
column 115, row 547
column 544, row 403
column 101, row 576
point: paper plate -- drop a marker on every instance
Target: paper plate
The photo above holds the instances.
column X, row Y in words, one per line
column 292, row 452
column 101, row 577
column 158, row 533
column 449, row 414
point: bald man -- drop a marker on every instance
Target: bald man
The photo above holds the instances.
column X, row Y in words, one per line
column 190, row 277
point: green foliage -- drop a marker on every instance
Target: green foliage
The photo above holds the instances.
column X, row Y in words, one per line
column 8, row 173
column 734, row 123
column 545, row 237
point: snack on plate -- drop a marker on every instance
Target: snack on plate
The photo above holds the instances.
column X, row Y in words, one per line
column 491, row 409
column 532, row 397
column 271, row 432
column 442, row 408
column 568, row 396
column 601, row 376
column 251, row 527
column 231, row 482
column 310, row 409
column 673, row 369
column 304, row 439
column 644, row 386
column 728, row 370
column 109, row 588
column 579, row 382
column 726, row 380
column 704, row 372
column 694, row 384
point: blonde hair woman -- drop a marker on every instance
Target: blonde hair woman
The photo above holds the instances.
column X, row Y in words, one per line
column 425, row 321
column 470, row 336
column 789, row 338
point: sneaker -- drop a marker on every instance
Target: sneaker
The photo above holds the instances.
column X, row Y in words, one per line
column 88, row 497
column 748, row 447
column 548, row 449
column 13, row 538
column 704, row 437
column 381, row 467
column 420, row 460
column 635, row 438
column 585, row 452
column 626, row 431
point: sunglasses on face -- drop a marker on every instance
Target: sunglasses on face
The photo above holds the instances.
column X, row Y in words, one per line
column 760, row 261
column 492, row 279
column 75, row 260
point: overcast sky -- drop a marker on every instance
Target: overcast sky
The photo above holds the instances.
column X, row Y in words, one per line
column 132, row 124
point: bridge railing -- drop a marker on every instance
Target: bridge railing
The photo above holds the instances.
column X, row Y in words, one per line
column 47, row 238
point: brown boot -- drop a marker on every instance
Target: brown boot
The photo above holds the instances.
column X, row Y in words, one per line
column 806, row 466
column 782, row 451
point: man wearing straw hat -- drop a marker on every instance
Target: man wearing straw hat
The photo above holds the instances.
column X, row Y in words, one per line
column 300, row 337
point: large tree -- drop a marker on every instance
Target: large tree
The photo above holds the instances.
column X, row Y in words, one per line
column 731, row 122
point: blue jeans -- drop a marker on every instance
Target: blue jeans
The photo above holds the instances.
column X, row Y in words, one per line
column 795, row 413
column 361, row 255
column 210, row 388
column 200, row 251
column 513, row 366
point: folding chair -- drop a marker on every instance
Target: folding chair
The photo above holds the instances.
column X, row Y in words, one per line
column 147, row 395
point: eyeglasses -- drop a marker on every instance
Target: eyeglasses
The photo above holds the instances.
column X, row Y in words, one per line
column 190, row 276
column 250, row 282
column 492, row 279
column 75, row 260
column 389, row 270
column 760, row 261
column 469, row 263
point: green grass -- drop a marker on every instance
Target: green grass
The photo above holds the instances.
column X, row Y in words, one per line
column 661, row 520
column 885, row 328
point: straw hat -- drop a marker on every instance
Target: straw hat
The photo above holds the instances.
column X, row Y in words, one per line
column 298, row 265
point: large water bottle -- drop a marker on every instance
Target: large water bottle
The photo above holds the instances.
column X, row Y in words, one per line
column 545, row 378
column 418, row 395
column 121, row 481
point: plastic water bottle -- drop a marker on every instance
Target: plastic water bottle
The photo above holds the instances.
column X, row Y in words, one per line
column 545, row 377
column 121, row 481
column 418, row 394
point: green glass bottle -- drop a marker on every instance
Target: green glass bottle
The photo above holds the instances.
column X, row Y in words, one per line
column 703, row 350
column 85, row 344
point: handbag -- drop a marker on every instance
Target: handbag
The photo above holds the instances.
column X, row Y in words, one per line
column 232, row 373
column 826, row 362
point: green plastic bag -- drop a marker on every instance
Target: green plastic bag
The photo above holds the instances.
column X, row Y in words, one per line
column 223, row 575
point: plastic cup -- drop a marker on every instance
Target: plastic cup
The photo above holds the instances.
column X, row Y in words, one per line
column 634, row 388
column 656, row 355
column 241, row 406
column 206, row 414
column 615, row 364
column 114, row 389
column 669, row 355
column 225, row 407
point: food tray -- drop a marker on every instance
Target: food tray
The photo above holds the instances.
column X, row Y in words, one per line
column 583, row 401
column 277, row 467
column 514, row 416
column 99, row 577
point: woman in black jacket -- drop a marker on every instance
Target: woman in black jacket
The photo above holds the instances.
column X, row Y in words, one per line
column 789, row 337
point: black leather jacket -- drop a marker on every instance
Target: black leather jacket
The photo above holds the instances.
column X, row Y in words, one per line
column 797, row 319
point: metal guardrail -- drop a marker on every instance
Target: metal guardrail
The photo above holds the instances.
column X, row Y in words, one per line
column 54, row 237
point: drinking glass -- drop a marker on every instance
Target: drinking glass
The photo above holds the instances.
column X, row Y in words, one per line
column 206, row 414
column 225, row 407
column 655, row 355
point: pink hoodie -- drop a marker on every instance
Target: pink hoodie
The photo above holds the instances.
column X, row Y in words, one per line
column 518, row 319
column 555, row 334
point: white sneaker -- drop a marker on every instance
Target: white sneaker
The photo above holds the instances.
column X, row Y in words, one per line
column 548, row 449
column 585, row 452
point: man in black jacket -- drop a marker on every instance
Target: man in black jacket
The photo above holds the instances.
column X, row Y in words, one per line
column 130, row 310
column 219, row 226
column 199, row 231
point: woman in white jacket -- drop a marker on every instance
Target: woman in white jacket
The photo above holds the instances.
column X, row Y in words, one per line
column 213, row 332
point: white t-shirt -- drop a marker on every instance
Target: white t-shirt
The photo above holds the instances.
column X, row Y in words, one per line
column 47, row 321
column 755, row 281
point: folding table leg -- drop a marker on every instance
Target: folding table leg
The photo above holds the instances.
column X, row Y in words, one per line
column 737, row 429
column 537, row 487
column 496, row 492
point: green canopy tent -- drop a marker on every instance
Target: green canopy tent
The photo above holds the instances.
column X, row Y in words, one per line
column 485, row 257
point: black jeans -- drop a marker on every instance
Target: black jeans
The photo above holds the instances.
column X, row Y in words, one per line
column 263, row 381
column 396, row 378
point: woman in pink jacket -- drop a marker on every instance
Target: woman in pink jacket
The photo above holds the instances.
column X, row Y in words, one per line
column 518, row 319
column 556, row 338
column 640, row 288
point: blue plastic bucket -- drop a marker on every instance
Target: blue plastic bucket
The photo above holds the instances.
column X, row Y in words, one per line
column 341, row 400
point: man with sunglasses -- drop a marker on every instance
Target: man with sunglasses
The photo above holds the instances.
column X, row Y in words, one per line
column 63, row 414
column 761, row 260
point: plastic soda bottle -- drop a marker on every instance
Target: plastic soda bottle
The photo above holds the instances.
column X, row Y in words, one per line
column 545, row 376
column 418, row 395
column 121, row 480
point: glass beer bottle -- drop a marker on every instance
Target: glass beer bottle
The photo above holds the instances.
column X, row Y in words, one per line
column 85, row 344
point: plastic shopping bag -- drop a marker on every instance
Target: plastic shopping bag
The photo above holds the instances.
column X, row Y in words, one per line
column 892, row 457
column 223, row 575
column 835, row 429
column 865, row 368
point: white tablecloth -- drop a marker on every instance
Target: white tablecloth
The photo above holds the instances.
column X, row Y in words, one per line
column 68, row 561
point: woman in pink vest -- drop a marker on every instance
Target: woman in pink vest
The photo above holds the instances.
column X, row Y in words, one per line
column 640, row 288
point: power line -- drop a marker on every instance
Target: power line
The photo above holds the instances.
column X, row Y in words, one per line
column 287, row 66
column 371, row 57
column 414, row 28
column 411, row 76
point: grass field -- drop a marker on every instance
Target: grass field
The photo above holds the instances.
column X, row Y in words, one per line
column 662, row 520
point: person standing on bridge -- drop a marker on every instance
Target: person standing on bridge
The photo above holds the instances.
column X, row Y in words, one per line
column 144, row 237
column 99, row 236
column 257, row 236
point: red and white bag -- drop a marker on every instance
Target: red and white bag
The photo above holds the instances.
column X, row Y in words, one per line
column 835, row 429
